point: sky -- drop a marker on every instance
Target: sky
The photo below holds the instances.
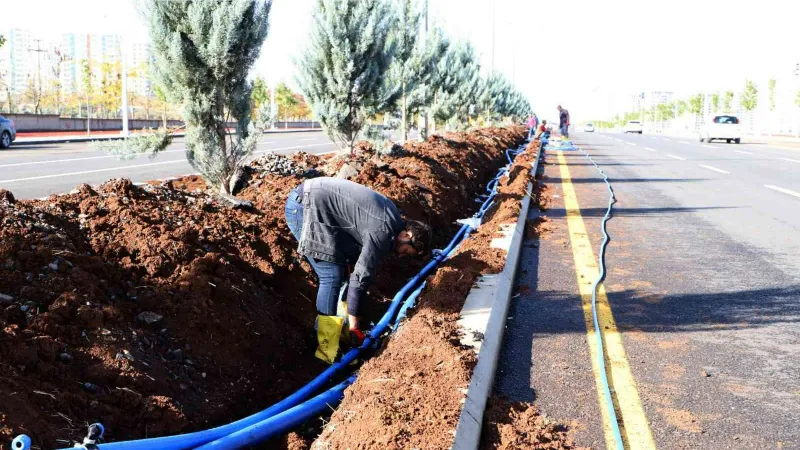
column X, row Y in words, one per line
column 587, row 55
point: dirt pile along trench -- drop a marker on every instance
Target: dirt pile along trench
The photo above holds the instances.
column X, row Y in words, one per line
column 155, row 310
column 410, row 396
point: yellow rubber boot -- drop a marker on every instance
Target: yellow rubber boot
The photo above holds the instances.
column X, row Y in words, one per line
column 341, row 311
column 329, row 331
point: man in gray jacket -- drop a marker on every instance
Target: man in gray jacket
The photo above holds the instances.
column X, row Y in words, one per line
column 340, row 224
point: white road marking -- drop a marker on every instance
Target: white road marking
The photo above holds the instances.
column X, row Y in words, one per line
column 676, row 157
column 713, row 168
column 110, row 169
column 742, row 152
column 785, row 191
column 52, row 161
column 707, row 146
column 630, row 143
column 618, row 140
column 683, row 142
column 668, row 140
column 791, row 160
column 650, row 149
column 120, row 168
column 88, row 158
column 307, row 139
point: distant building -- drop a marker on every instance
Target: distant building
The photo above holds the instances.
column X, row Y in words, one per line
column 80, row 48
column 140, row 59
column 660, row 97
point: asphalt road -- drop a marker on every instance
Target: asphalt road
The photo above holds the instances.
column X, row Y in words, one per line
column 35, row 171
column 703, row 282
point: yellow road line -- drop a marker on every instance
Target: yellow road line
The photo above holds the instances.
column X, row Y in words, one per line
column 632, row 420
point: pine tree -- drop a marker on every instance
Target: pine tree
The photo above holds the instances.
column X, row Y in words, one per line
column 343, row 71
column 203, row 50
column 459, row 86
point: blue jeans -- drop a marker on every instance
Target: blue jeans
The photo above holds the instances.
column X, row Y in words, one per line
column 565, row 131
column 331, row 276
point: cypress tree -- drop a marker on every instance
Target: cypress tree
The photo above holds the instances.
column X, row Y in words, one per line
column 459, row 86
column 415, row 62
column 203, row 51
column 343, row 71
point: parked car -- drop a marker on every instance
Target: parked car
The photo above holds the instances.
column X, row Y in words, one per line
column 8, row 132
column 725, row 128
column 588, row 128
column 633, row 126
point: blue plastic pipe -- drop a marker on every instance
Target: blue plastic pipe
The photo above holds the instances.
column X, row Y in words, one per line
column 282, row 422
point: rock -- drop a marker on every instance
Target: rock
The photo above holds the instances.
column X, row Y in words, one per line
column 149, row 318
column 90, row 387
column 6, row 298
column 176, row 355
column 705, row 374
column 347, row 171
column 65, row 357
column 7, row 197
column 411, row 182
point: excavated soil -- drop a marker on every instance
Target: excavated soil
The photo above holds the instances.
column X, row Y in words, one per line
column 410, row 396
column 155, row 309
column 513, row 426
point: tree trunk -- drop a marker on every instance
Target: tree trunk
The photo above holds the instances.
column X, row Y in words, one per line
column 405, row 113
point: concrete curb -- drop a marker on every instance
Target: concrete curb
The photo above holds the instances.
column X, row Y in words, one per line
column 496, row 291
column 66, row 140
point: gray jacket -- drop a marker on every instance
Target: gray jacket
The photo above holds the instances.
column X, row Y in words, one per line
column 347, row 223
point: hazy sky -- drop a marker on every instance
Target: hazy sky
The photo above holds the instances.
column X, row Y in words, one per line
column 587, row 55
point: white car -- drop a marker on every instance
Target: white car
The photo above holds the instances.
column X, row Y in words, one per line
column 633, row 126
column 724, row 128
column 588, row 128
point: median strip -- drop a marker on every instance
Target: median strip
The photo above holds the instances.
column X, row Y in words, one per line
column 780, row 189
column 714, row 169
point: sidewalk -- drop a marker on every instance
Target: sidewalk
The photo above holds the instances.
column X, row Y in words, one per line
column 49, row 137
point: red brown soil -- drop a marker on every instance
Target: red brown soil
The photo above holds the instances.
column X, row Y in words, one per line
column 512, row 426
column 235, row 333
column 410, row 396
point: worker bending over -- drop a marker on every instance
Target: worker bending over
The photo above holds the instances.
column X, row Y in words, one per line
column 340, row 224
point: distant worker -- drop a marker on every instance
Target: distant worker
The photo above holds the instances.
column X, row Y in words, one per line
column 338, row 224
column 543, row 132
column 533, row 123
column 563, row 121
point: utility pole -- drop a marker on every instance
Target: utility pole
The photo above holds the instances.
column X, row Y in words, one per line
column 38, row 85
column 124, row 88
column 273, row 108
